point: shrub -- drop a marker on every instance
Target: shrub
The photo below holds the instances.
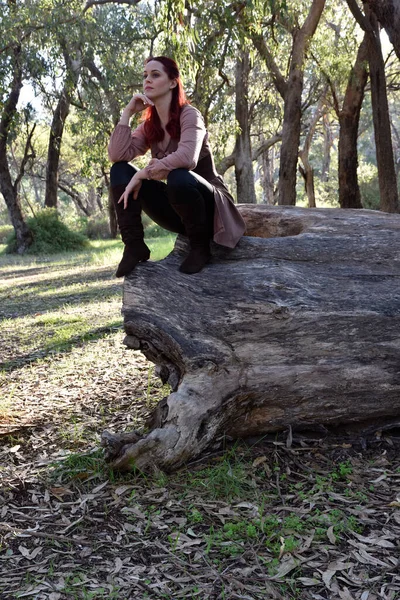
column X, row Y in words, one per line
column 50, row 235
column 151, row 229
column 5, row 233
column 97, row 229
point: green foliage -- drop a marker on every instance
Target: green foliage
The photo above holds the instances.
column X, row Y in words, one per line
column 6, row 231
column 344, row 469
column 50, row 235
column 152, row 230
column 369, row 185
column 97, row 228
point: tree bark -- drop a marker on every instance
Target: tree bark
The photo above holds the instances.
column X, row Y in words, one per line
column 8, row 189
column 268, row 167
column 328, row 143
column 349, row 117
column 298, row 326
column 388, row 15
column 292, row 106
column 243, row 157
column 307, row 170
column 57, row 127
column 389, row 198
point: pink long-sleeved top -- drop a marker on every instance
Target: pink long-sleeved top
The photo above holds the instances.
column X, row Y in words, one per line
column 193, row 152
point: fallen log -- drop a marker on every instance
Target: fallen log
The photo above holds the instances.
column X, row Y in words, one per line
column 298, row 325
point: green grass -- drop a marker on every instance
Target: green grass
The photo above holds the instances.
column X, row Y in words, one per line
column 51, row 307
column 98, row 252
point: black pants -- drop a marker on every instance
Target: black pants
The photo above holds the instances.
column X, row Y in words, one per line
column 158, row 199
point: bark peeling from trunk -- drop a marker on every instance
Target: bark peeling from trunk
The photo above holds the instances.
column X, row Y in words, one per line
column 297, row 326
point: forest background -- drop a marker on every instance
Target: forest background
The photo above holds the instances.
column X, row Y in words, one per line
column 301, row 100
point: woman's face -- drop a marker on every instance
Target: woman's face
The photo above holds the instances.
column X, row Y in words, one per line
column 156, row 83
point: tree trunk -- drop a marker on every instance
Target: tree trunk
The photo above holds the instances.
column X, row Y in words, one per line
column 57, row 128
column 268, row 168
column 307, row 171
column 298, row 326
column 292, row 106
column 349, row 116
column 388, row 15
column 243, row 157
column 54, row 150
column 8, row 189
column 328, row 143
column 389, row 199
column 112, row 217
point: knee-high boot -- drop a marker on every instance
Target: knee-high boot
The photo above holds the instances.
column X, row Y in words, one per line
column 193, row 216
column 131, row 228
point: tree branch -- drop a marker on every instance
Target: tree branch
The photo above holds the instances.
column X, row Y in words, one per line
column 64, row 187
column 112, row 101
column 265, row 145
column 277, row 77
column 10, row 104
column 359, row 16
column 228, row 162
column 91, row 3
column 27, row 156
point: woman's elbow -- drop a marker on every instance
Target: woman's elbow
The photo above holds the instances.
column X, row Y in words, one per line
column 114, row 156
column 190, row 165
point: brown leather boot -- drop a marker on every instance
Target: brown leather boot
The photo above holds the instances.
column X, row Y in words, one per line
column 193, row 217
column 197, row 258
column 131, row 228
column 133, row 254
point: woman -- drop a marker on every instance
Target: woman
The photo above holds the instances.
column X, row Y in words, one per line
column 194, row 200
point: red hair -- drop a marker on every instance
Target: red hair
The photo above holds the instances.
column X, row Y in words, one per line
column 152, row 125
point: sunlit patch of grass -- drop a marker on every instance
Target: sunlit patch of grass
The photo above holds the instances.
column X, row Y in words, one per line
column 99, row 252
column 5, row 407
column 56, row 331
column 161, row 247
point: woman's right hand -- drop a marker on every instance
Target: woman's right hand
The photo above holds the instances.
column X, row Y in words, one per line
column 138, row 103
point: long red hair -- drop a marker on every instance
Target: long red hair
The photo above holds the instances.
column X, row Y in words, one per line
column 152, row 124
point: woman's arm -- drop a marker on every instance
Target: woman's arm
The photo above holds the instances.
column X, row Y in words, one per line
column 124, row 144
column 133, row 186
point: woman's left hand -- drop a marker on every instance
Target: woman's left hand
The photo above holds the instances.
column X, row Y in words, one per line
column 133, row 187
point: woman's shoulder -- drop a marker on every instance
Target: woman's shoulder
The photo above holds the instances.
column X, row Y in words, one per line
column 190, row 113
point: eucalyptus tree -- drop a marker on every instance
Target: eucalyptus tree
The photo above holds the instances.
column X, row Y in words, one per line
column 349, row 117
column 298, row 23
column 68, row 45
column 19, row 59
column 389, row 198
column 243, row 156
column 342, row 60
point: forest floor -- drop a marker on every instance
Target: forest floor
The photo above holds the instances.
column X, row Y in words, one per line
column 293, row 516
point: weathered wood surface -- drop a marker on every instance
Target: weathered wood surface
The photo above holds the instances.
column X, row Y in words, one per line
column 298, row 325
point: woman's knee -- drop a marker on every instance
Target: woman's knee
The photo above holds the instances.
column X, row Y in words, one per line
column 180, row 178
column 121, row 173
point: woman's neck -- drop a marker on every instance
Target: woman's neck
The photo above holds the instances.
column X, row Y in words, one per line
column 162, row 107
